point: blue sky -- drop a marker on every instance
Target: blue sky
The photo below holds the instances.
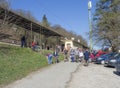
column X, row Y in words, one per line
column 70, row 14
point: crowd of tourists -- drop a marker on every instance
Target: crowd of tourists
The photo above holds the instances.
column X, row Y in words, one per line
column 71, row 55
column 77, row 55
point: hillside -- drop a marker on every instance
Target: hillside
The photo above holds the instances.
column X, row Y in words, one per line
column 17, row 62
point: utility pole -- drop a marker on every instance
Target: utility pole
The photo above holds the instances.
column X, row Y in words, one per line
column 90, row 22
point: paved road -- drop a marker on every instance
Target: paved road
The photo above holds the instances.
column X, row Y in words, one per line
column 55, row 76
column 70, row 75
column 95, row 76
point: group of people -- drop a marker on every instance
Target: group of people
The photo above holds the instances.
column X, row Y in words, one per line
column 76, row 55
column 53, row 57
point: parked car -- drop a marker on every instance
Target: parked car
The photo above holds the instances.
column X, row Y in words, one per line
column 117, row 66
column 101, row 59
column 111, row 61
column 99, row 55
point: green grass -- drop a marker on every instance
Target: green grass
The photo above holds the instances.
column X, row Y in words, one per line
column 16, row 62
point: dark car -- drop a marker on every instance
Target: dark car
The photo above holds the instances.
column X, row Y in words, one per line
column 111, row 61
column 101, row 59
column 99, row 54
column 117, row 66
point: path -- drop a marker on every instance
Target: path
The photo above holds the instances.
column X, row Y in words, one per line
column 70, row 75
column 54, row 76
column 95, row 76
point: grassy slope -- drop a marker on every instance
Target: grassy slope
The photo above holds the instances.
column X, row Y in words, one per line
column 16, row 62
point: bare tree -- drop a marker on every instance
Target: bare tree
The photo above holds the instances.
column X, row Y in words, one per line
column 69, row 34
column 107, row 23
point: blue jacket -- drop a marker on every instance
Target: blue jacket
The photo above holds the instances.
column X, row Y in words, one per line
column 86, row 55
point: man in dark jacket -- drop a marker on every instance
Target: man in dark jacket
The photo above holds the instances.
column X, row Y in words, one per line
column 56, row 54
column 23, row 41
column 86, row 57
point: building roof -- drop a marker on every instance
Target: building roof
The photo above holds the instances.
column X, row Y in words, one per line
column 21, row 21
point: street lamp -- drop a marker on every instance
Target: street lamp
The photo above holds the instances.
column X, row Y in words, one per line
column 90, row 22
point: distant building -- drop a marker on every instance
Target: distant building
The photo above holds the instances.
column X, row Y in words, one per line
column 73, row 44
column 68, row 44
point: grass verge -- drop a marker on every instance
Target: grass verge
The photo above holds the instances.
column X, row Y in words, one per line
column 17, row 62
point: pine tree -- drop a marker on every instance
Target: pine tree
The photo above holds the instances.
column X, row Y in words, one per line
column 45, row 21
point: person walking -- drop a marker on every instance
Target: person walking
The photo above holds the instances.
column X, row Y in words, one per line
column 92, row 57
column 65, row 51
column 55, row 54
column 72, row 53
column 81, row 55
column 86, row 57
column 49, row 57
column 76, row 54
column 23, row 41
